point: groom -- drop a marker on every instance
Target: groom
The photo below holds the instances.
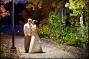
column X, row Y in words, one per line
column 27, row 33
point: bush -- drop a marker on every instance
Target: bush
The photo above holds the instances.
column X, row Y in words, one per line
column 76, row 36
column 43, row 31
column 58, row 32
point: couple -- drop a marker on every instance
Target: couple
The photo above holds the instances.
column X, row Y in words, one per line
column 31, row 37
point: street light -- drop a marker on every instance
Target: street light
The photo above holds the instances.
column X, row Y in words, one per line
column 13, row 41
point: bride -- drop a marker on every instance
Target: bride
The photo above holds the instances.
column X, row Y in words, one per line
column 35, row 45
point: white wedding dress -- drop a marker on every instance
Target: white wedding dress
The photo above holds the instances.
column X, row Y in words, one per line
column 35, row 45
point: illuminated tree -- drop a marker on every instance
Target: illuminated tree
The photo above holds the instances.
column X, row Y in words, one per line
column 3, row 11
column 42, row 7
column 77, row 6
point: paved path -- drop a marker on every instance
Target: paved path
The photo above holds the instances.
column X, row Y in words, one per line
column 50, row 51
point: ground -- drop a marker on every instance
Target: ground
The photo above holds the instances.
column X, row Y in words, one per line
column 49, row 49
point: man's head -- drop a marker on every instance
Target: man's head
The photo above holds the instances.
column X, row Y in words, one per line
column 29, row 20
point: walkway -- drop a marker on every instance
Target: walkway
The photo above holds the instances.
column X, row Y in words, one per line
column 50, row 50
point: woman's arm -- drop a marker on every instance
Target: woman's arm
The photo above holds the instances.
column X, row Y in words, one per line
column 34, row 28
column 25, row 30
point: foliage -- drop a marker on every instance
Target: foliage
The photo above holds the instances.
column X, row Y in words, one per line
column 42, row 8
column 43, row 31
column 35, row 4
column 57, row 31
column 55, row 27
column 76, row 36
column 3, row 11
column 79, row 6
column 76, row 6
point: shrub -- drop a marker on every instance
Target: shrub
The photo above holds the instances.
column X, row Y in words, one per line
column 43, row 31
column 58, row 32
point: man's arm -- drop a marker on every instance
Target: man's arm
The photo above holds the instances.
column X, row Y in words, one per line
column 25, row 30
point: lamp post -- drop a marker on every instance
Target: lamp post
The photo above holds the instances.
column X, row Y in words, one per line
column 13, row 41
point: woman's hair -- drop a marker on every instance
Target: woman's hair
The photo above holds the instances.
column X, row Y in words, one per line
column 35, row 21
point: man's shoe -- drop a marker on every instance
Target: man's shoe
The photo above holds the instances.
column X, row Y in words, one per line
column 26, row 51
